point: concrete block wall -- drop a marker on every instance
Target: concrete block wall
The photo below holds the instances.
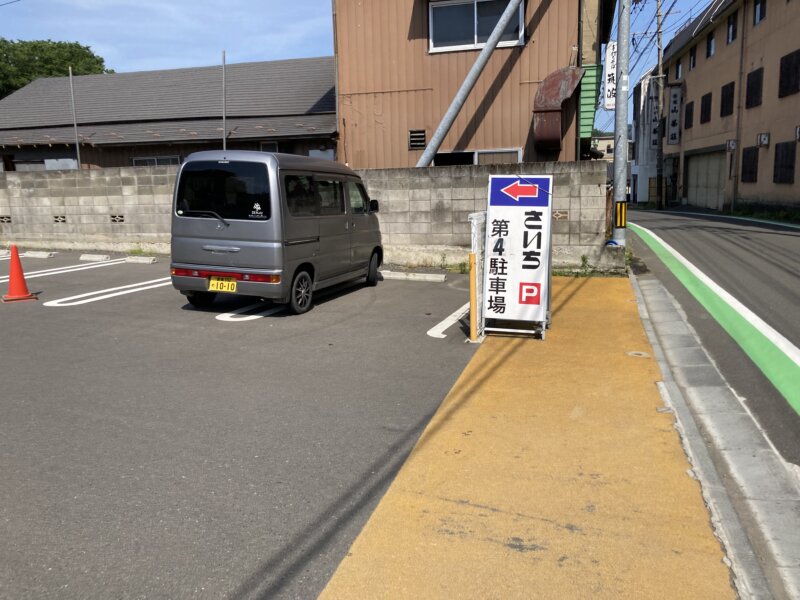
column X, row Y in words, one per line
column 115, row 209
column 424, row 212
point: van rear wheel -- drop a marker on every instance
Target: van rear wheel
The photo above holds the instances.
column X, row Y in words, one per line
column 201, row 299
column 372, row 270
column 301, row 293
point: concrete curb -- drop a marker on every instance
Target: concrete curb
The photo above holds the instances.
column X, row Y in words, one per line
column 747, row 485
column 144, row 260
column 94, row 257
column 5, row 252
column 435, row 277
column 38, row 254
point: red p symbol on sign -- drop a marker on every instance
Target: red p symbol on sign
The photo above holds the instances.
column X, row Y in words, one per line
column 530, row 293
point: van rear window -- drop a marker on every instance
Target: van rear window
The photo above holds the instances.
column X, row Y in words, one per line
column 227, row 189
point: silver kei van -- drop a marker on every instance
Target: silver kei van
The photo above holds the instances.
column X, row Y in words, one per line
column 275, row 226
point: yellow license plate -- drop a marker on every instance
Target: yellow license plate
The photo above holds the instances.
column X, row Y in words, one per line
column 222, row 284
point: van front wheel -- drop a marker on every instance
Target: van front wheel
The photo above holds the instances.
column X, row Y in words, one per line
column 372, row 270
column 301, row 295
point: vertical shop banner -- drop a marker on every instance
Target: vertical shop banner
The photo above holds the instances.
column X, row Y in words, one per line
column 610, row 77
column 674, row 118
column 654, row 117
column 517, row 261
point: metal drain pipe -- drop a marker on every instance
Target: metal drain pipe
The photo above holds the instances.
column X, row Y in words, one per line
column 469, row 82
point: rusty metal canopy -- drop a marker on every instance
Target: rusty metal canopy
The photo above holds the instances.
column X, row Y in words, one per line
column 547, row 106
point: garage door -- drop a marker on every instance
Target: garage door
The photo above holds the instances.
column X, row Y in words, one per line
column 706, row 179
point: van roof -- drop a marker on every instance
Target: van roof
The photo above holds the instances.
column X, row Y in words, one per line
column 283, row 161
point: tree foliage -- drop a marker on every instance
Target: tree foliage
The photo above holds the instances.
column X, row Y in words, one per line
column 23, row 61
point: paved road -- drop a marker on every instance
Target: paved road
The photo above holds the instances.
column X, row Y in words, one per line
column 148, row 449
column 757, row 264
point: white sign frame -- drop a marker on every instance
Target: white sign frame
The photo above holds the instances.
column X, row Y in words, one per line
column 518, row 253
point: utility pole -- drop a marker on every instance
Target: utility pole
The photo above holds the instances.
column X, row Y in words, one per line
column 224, row 106
column 660, row 85
column 621, row 123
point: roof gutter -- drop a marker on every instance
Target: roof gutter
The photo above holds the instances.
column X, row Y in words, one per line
column 466, row 87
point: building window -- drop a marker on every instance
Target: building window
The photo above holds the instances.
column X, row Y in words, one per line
column 688, row 115
column 750, row 164
column 785, row 153
column 416, row 139
column 467, row 24
column 755, row 81
column 155, row 161
column 732, row 23
column 498, row 157
column 269, row 146
column 726, row 101
column 790, row 74
column 711, row 45
column 692, row 57
column 759, row 11
column 678, row 69
column 705, row 108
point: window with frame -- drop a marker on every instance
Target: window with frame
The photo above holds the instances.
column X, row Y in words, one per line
column 358, row 198
column 331, row 197
column 749, row 164
column 300, row 197
column 785, row 154
column 755, row 84
column 726, row 99
column 467, row 24
column 732, row 24
column 678, row 69
column 759, row 11
column 705, row 108
column 711, row 45
column 688, row 115
column 155, row 161
column 789, row 82
column 692, row 57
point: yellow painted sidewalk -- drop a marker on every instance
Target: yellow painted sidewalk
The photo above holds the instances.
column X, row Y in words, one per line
column 546, row 473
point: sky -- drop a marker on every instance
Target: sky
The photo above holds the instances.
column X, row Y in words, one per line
column 644, row 47
column 144, row 35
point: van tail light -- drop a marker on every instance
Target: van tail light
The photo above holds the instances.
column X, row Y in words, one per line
column 257, row 278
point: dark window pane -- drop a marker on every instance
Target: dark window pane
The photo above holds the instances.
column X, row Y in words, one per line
column 452, row 25
column 688, row 115
column 750, row 164
column 726, row 102
column 785, row 154
column 790, row 75
column 300, row 197
column 732, row 24
column 755, row 81
column 710, row 45
column 705, row 108
column 489, row 14
column 331, row 198
column 233, row 190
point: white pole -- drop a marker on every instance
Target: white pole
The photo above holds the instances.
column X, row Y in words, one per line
column 74, row 118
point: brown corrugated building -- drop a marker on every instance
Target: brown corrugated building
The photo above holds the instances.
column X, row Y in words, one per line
column 400, row 63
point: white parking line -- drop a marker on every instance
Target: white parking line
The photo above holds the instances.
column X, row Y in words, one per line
column 110, row 292
column 438, row 330
column 67, row 269
column 234, row 315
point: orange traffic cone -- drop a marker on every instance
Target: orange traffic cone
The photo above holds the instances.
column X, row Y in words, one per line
column 17, row 288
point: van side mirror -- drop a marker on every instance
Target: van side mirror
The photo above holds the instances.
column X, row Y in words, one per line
column 373, row 206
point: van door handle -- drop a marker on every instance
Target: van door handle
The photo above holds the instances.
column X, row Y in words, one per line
column 231, row 249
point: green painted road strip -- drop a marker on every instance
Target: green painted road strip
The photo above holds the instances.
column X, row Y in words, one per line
column 776, row 356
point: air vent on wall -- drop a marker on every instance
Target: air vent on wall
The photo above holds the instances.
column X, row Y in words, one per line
column 5, row 219
column 762, row 140
column 59, row 218
column 416, row 139
column 117, row 218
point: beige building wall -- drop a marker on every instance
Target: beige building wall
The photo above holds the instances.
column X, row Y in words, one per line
column 389, row 83
column 755, row 46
